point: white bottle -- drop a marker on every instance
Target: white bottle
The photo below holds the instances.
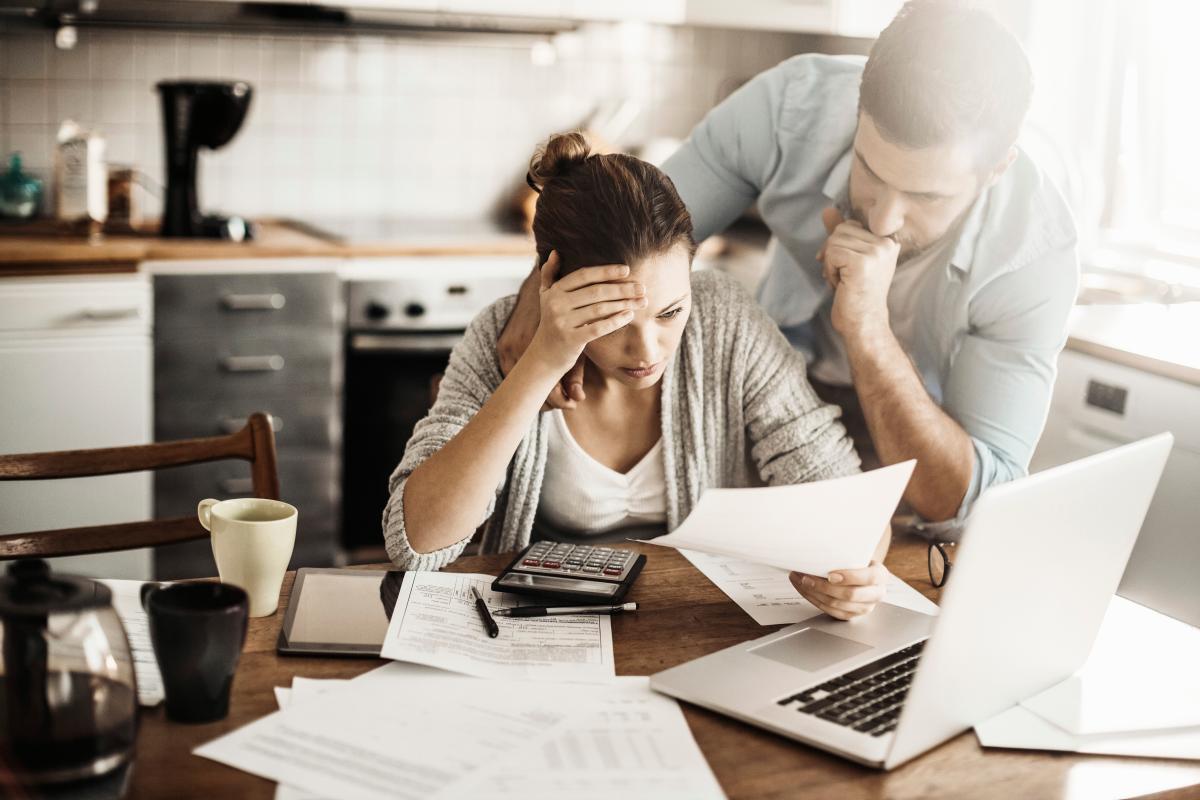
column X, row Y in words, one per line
column 80, row 175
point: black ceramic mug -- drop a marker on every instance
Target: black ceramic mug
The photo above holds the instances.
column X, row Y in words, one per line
column 198, row 630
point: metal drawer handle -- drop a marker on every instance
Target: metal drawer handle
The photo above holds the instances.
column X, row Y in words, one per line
column 130, row 312
column 270, row 301
column 236, row 485
column 272, row 363
column 235, row 424
column 405, row 342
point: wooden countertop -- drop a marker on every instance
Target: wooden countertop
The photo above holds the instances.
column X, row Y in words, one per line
column 1161, row 339
column 73, row 255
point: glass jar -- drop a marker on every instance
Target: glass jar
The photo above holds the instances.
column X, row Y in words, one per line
column 68, row 697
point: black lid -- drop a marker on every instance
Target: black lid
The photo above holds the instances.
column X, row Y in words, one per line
column 30, row 590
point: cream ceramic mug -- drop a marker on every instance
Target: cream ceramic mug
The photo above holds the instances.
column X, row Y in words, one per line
column 252, row 540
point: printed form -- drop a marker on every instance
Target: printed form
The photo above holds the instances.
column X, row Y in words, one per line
column 766, row 594
column 437, row 624
column 620, row 739
column 417, row 734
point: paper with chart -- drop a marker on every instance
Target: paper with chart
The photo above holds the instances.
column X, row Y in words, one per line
column 127, row 602
column 416, row 733
column 436, row 623
column 766, row 594
column 620, row 740
column 809, row 527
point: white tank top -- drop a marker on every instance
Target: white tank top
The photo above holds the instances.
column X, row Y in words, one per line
column 582, row 495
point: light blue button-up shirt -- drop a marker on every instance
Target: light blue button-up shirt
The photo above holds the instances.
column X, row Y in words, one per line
column 990, row 322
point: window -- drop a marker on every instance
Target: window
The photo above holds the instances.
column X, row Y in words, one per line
column 1153, row 176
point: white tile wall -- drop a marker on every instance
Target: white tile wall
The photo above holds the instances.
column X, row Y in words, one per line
column 354, row 126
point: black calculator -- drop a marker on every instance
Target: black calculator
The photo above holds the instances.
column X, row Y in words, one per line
column 561, row 571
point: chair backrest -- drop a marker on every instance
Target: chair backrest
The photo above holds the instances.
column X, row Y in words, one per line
column 254, row 443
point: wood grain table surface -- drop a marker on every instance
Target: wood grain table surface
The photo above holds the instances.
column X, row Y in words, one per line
column 682, row 616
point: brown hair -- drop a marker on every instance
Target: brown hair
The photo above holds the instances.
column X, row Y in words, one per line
column 602, row 209
column 942, row 72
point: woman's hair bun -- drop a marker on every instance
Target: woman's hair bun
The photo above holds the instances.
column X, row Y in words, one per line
column 558, row 156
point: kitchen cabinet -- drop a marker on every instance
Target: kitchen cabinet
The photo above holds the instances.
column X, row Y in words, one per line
column 75, row 355
column 237, row 336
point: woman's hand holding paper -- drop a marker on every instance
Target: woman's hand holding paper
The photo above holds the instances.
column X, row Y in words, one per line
column 845, row 593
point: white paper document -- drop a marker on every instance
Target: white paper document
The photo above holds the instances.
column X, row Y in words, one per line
column 809, row 527
column 620, row 740
column 127, row 602
column 1021, row 728
column 1143, row 674
column 766, row 594
column 413, row 733
column 436, row 623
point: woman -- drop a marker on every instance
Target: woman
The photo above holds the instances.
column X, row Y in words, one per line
column 688, row 385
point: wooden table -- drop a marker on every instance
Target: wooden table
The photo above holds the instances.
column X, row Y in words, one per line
column 682, row 616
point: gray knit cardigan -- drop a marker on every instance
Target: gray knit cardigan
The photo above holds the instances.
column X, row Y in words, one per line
column 737, row 410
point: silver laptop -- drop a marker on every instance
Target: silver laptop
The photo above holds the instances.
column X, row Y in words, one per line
column 1039, row 561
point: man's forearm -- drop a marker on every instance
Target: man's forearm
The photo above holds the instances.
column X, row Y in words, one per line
column 905, row 423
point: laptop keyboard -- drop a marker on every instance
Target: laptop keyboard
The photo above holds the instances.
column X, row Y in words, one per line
column 867, row 699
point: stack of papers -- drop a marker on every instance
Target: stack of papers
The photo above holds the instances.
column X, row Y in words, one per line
column 430, row 728
column 405, row 731
column 1137, row 695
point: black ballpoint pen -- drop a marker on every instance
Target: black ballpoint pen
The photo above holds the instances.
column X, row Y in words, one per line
column 550, row 611
column 493, row 629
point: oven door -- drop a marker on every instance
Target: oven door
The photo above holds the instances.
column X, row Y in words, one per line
column 391, row 381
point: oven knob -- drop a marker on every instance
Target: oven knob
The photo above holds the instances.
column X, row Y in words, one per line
column 376, row 311
column 414, row 310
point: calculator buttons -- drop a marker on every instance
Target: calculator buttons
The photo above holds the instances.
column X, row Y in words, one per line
column 550, row 557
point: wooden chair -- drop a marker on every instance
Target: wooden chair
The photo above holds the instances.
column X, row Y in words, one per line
column 254, row 443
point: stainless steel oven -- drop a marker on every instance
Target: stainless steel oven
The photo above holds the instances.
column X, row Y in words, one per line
column 404, row 315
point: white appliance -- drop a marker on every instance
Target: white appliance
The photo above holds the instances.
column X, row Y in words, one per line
column 1097, row 405
column 75, row 356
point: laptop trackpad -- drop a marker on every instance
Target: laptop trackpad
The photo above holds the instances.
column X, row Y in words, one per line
column 810, row 649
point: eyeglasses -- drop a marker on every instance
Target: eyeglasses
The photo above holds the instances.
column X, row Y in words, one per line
column 939, row 563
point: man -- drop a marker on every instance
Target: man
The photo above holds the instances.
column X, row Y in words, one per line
column 918, row 255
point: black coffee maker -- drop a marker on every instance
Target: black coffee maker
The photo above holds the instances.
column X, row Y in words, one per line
column 199, row 114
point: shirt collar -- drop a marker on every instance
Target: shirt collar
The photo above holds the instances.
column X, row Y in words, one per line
column 837, row 185
column 837, row 190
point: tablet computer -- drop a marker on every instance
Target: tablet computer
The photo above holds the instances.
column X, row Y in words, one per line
column 339, row 612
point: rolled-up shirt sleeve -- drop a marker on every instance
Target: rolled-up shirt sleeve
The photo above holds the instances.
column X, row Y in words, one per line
column 1002, row 376
column 725, row 162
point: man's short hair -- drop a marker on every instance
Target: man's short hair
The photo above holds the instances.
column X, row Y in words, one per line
column 942, row 72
